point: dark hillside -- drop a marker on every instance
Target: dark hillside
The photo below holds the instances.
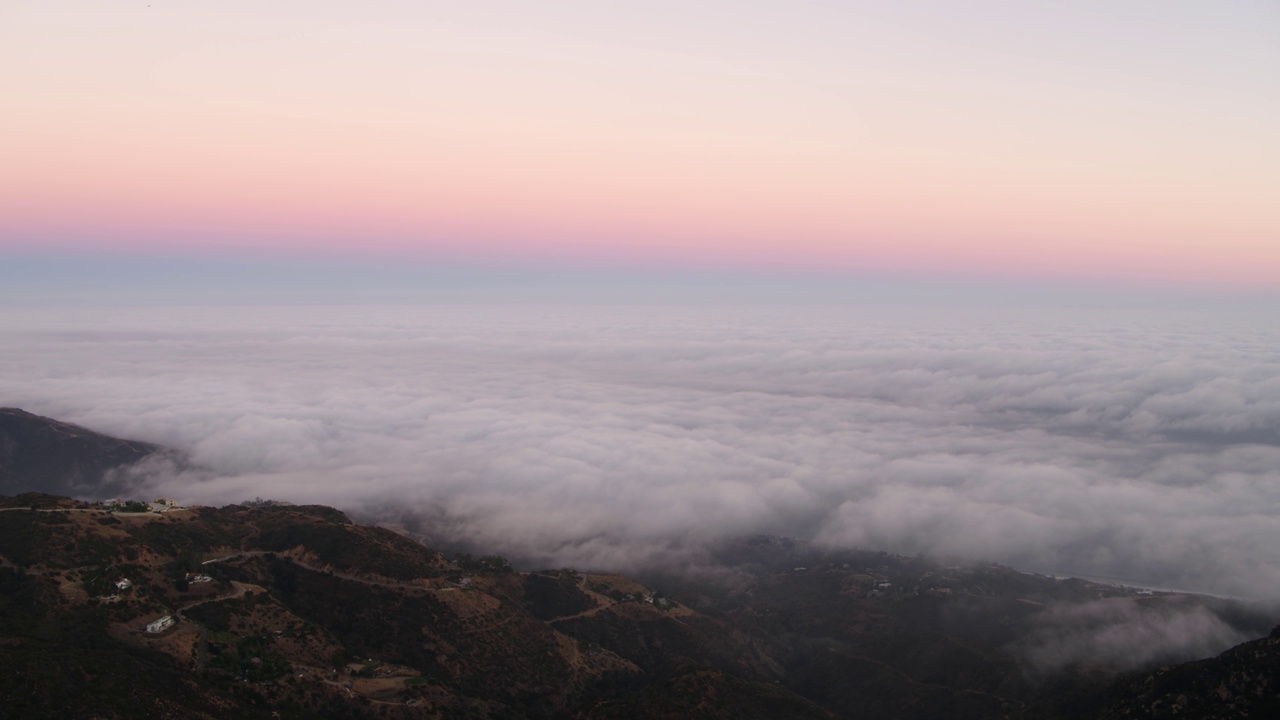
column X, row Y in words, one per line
column 43, row 455
column 1241, row 682
column 298, row 611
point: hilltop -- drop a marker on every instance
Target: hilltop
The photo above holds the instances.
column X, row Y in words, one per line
column 39, row 454
column 297, row 610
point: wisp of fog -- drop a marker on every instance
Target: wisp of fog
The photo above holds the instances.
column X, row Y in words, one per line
column 1136, row 446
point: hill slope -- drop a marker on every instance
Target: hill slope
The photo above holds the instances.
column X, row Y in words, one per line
column 1241, row 682
column 298, row 611
column 38, row 454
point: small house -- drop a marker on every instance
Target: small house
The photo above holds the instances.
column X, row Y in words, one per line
column 160, row 625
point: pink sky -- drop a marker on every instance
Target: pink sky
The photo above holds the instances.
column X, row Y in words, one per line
column 1036, row 141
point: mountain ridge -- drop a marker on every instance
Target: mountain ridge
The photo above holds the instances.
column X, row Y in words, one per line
column 40, row 454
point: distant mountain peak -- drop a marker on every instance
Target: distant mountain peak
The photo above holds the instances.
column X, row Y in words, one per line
column 40, row 454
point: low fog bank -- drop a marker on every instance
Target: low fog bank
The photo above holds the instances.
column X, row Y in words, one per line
column 1119, row 634
column 1138, row 446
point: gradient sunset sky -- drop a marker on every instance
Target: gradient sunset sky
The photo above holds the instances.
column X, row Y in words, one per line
column 1121, row 142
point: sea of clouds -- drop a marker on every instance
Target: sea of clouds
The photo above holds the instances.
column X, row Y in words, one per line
column 1139, row 446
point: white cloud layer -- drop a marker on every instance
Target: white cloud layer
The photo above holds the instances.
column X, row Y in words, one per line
column 1120, row 634
column 1137, row 446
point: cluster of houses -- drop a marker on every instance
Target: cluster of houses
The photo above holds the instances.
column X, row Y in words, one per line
column 650, row 598
column 194, row 578
column 160, row 505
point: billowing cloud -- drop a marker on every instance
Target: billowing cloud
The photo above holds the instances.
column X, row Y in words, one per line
column 1137, row 446
column 1118, row 633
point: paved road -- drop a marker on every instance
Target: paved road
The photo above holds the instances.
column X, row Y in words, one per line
column 144, row 513
column 605, row 602
column 328, row 571
column 238, row 592
column 27, row 509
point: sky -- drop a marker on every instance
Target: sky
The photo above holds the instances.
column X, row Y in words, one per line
column 1131, row 145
